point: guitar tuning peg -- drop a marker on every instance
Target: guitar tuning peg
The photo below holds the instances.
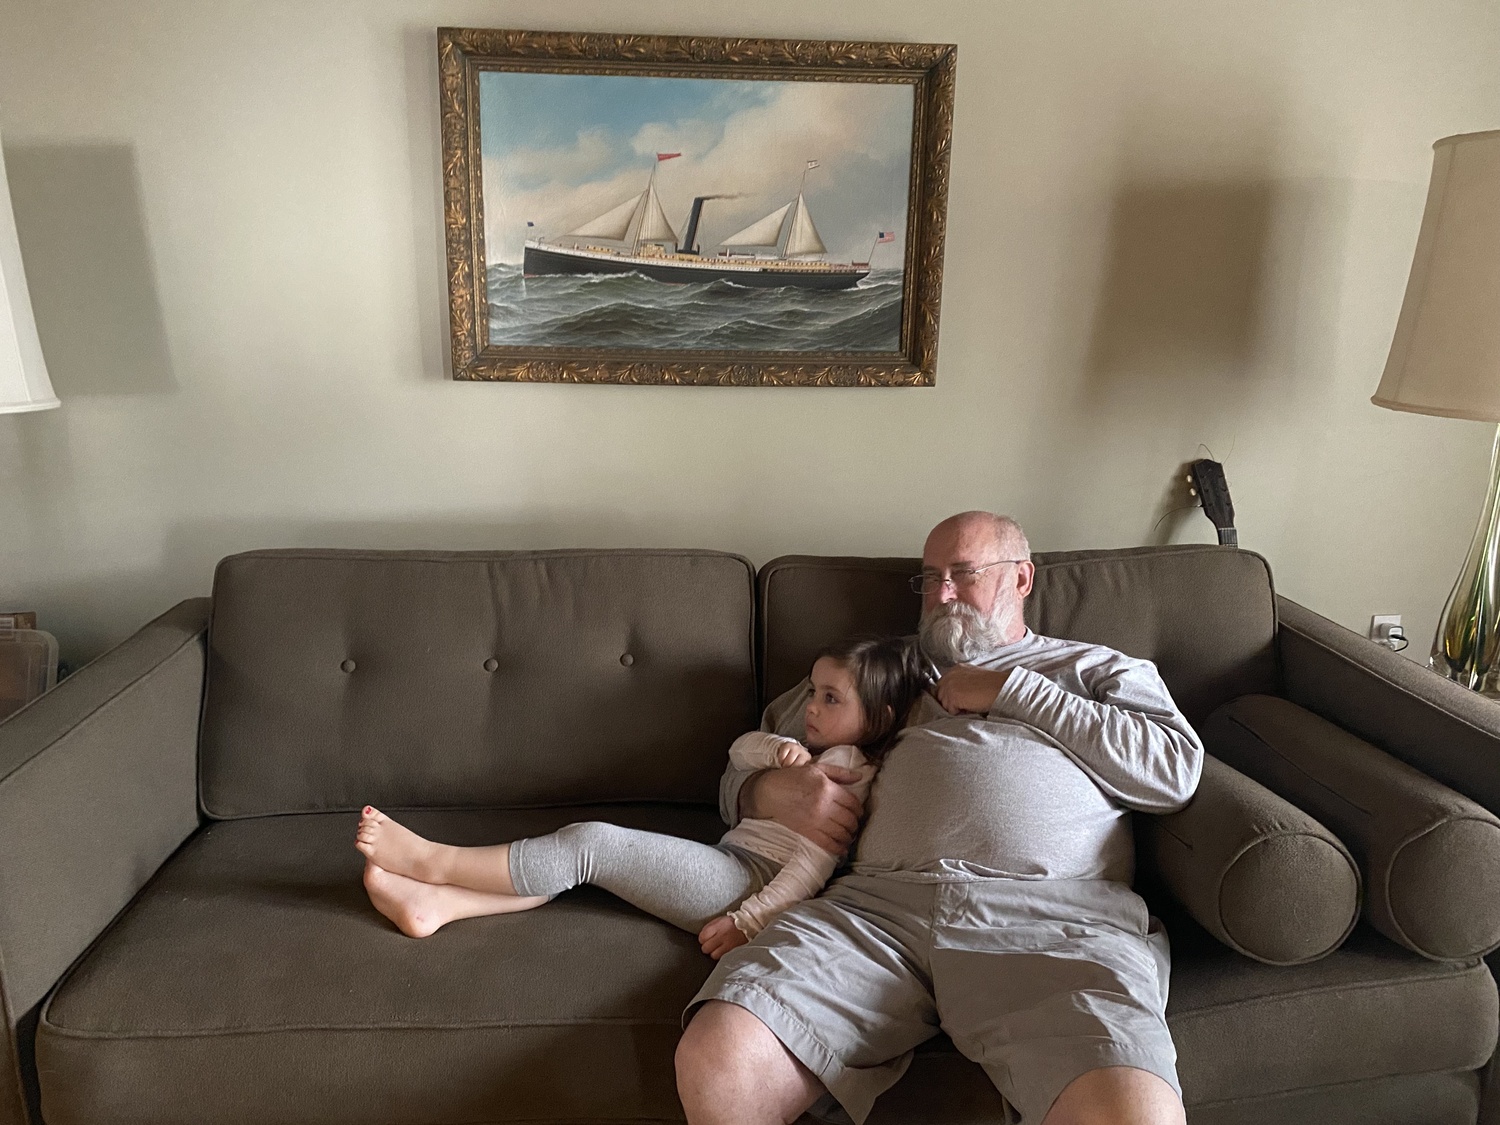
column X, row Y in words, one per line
column 1192, row 492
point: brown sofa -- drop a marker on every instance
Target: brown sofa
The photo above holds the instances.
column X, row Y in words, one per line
column 184, row 939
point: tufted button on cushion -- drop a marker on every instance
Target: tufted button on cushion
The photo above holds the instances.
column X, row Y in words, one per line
column 627, row 660
column 491, row 664
column 347, row 665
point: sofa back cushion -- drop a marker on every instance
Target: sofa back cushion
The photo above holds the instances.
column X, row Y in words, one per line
column 473, row 679
column 1204, row 614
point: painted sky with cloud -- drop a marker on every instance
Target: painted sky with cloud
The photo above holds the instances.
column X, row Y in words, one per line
column 561, row 149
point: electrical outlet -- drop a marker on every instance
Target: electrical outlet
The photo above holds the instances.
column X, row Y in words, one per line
column 1385, row 629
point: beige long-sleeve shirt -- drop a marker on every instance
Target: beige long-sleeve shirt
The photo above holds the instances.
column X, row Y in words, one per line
column 805, row 867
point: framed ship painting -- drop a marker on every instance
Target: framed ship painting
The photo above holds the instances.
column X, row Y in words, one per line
column 651, row 209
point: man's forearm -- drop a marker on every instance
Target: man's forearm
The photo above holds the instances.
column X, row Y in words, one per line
column 730, row 806
column 811, row 800
column 1133, row 741
column 747, row 804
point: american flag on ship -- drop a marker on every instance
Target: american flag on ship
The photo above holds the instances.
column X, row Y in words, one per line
column 884, row 236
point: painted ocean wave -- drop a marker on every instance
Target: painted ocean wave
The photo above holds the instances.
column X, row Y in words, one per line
column 630, row 311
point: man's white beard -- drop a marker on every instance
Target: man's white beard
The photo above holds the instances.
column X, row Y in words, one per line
column 957, row 633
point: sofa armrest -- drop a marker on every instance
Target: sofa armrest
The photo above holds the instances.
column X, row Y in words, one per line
column 98, row 785
column 1429, row 855
column 1426, row 720
column 1257, row 872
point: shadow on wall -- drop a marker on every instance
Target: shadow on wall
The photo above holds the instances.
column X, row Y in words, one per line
column 1173, row 329
column 1183, row 280
column 89, row 268
column 429, row 250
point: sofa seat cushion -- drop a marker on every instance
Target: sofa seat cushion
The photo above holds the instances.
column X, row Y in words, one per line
column 944, row 1088
column 1371, row 1025
column 252, row 982
column 1370, row 1010
column 254, row 953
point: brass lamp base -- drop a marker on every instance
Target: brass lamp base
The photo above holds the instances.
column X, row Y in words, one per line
column 1467, row 646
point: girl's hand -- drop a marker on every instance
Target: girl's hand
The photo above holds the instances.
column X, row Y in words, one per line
column 721, row 935
column 792, row 754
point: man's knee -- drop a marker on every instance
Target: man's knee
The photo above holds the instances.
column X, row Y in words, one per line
column 1117, row 1095
column 716, row 1044
column 731, row 1067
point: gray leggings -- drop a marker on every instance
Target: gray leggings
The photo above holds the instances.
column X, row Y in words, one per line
column 680, row 881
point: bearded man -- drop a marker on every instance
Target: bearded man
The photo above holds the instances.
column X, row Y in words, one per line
column 989, row 895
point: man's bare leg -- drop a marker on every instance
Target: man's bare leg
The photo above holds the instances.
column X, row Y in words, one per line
column 421, row 909
column 731, row 1070
column 401, row 851
column 1116, row 1095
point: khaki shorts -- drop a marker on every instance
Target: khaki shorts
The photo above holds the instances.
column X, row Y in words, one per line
column 1038, row 981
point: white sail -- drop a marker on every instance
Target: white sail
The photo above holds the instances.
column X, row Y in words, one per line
column 762, row 232
column 803, row 239
column 654, row 226
column 613, row 224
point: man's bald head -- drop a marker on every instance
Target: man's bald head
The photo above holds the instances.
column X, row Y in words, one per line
column 986, row 564
column 1001, row 534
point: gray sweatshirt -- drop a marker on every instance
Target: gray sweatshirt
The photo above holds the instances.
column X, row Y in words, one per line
column 1038, row 788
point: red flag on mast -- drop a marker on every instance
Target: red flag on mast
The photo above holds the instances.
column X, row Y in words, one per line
column 660, row 156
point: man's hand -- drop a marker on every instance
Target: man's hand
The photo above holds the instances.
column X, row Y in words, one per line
column 792, row 754
column 810, row 800
column 720, row 936
column 967, row 688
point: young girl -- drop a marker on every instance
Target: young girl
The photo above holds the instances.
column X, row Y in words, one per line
column 859, row 696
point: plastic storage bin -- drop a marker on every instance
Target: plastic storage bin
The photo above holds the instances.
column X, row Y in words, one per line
column 28, row 665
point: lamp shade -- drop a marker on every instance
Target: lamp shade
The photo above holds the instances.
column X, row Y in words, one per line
column 1445, row 357
column 23, row 374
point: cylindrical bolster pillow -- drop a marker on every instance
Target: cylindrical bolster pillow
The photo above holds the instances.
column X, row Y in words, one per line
column 1258, row 873
column 1430, row 856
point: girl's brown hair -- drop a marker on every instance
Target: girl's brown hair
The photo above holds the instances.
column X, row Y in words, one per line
column 888, row 678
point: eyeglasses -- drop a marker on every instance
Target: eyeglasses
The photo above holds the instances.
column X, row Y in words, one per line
column 960, row 578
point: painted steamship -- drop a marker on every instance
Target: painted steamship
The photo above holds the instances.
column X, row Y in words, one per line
column 782, row 248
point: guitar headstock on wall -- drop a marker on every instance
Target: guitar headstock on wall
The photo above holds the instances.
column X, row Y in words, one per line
column 1206, row 479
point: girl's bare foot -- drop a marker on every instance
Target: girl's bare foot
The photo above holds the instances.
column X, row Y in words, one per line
column 402, row 852
column 421, row 909
column 399, row 850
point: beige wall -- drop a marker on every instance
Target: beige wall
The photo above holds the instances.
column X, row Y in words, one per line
column 1171, row 223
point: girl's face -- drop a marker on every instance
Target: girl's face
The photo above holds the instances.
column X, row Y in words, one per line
column 834, row 715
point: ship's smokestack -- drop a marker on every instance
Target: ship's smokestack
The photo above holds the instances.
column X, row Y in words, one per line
column 689, row 239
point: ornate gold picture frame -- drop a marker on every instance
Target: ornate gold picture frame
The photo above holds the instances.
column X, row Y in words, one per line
column 659, row 209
